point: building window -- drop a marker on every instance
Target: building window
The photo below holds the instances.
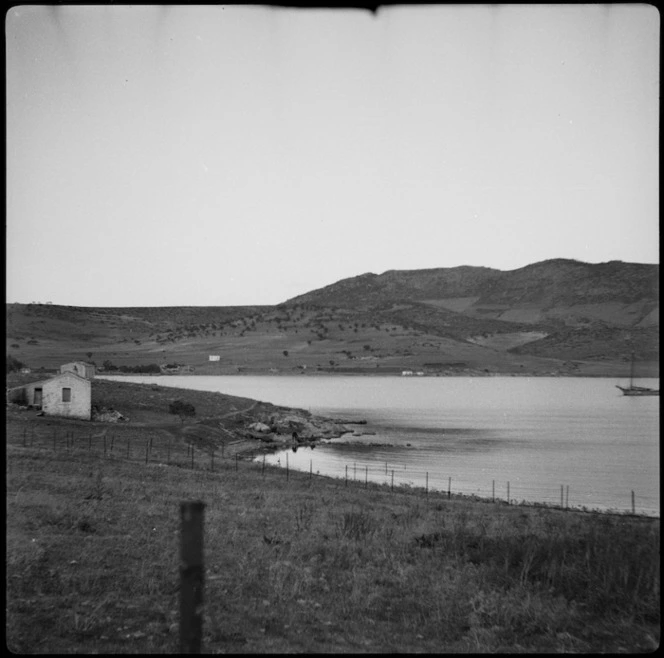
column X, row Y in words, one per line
column 66, row 394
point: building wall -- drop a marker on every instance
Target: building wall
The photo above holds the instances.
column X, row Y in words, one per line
column 17, row 395
column 80, row 402
column 82, row 369
column 30, row 392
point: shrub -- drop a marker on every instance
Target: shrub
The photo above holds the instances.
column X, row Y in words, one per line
column 13, row 364
column 182, row 409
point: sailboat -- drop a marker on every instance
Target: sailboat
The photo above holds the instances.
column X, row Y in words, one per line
column 636, row 390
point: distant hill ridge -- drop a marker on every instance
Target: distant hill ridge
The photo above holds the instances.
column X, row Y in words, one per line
column 556, row 282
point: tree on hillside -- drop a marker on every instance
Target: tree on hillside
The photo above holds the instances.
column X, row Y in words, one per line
column 182, row 409
column 285, row 352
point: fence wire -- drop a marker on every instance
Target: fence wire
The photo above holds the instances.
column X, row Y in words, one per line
column 161, row 447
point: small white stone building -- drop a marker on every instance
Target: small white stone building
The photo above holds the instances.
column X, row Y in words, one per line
column 67, row 395
column 214, row 357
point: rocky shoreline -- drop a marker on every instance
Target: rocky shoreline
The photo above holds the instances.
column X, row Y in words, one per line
column 292, row 427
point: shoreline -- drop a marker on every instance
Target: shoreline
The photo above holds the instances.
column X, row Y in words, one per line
column 263, row 373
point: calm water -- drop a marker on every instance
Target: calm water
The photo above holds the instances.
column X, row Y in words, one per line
column 535, row 433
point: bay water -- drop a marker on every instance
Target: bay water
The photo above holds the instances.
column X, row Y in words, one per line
column 534, row 437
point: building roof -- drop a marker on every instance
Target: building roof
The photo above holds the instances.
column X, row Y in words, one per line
column 67, row 374
column 50, row 379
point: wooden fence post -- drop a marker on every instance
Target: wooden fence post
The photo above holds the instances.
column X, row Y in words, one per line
column 191, row 577
column 561, row 495
column 449, row 487
column 354, row 472
column 633, row 505
column 567, row 497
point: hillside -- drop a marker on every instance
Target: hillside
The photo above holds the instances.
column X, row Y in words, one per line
column 548, row 290
column 555, row 317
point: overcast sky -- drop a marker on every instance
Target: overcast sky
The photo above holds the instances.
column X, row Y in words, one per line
column 244, row 155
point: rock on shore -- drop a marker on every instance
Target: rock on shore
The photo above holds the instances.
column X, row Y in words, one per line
column 292, row 426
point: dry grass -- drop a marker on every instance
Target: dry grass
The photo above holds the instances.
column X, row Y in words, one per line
column 304, row 565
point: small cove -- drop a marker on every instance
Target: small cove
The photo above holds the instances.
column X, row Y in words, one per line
column 537, row 434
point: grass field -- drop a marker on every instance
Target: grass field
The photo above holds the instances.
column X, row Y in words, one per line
column 301, row 564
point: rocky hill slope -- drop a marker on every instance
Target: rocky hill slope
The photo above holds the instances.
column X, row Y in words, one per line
column 549, row 289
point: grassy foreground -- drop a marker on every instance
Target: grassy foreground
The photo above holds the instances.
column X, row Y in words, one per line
column 304, row 565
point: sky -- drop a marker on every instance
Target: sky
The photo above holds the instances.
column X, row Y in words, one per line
column 243, row 155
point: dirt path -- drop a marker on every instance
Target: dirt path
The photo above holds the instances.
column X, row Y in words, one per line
column 226, row 436
column 240, row 411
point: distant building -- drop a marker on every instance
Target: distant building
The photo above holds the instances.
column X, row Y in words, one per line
column 80, row 368
column 67, row 394
column 407, row 373
column 25, row 371
column 214, row 357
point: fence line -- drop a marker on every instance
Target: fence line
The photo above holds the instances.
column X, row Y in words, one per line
column 186, row 455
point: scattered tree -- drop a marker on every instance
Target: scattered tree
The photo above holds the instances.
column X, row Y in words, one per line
column 182, row 409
